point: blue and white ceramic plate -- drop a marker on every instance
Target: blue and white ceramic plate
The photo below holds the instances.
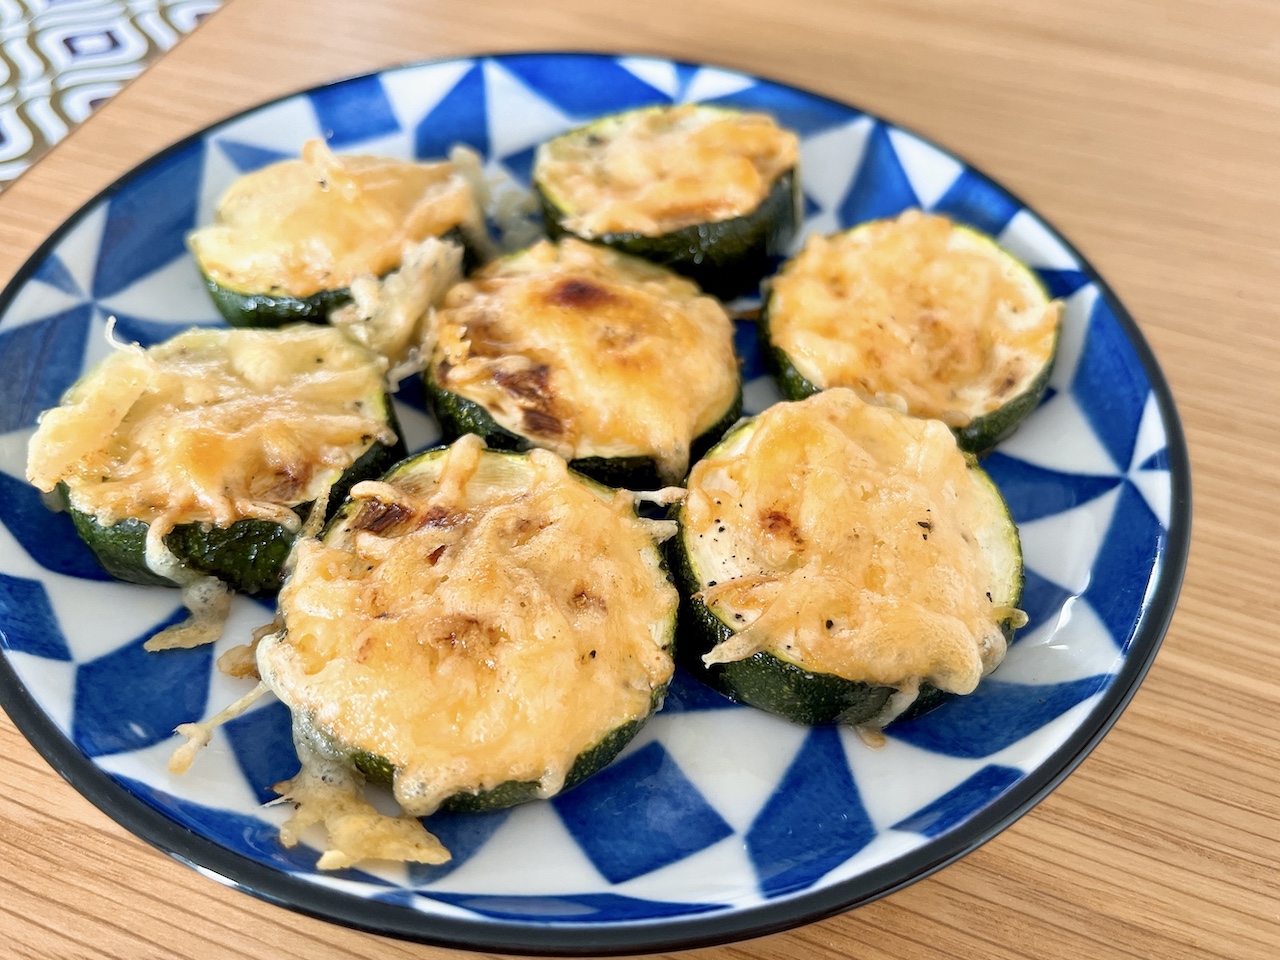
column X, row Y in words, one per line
column 719, row 822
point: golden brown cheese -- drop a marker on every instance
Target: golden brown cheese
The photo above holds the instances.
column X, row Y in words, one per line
column 483, row 621
column 298, row 227
column 589, row 353
column 213, row 426
column 658, row 169
column 853, row 540
column 916, row 313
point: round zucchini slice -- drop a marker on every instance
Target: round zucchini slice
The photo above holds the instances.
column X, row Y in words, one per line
column 220, row 440
column 920, row 314
column 709, row 192
column 287, row 240
column 844, row 563
column 622, row 368
column 481, row 627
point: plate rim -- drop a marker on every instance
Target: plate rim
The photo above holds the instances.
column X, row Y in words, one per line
column 613, row 938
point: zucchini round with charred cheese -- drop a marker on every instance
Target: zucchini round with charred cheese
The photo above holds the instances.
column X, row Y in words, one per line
column 481, row 627
column 918, row 313
column 710, row 192
column 212, row 446
column 287, row 241
column 621, row 367
column 844, row 563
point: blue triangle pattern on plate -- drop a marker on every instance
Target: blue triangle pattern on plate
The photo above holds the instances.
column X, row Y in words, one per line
column 459, row 117
column 48, row 538
column 462, row 835
column 574, row 908
column 1109, row 385
column 813, row 822
column 38, row 361
column 129, row 698
column 1157, row 461
column 1042, row 601
column 746, row 343
column 27, row 621
column 974, row 200
column 354, row 111
column 687, row 695
column 995, row 716
column 880, row 188
column 685, row 72
column 638, row 815
column 810, row 207
column 1062, row 283
column 804, row 114
column 961, row 802
column 583, row 87
column 246, row 835
column 1124, row 564
column 54, row 272
column 1035, row 492
column 262, row 742
column 520, row 165
column 412, row 392
column 148, row 221
column 400, row 898
column 248, row 157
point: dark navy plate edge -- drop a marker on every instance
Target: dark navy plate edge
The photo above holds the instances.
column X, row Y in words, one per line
column 401, row 922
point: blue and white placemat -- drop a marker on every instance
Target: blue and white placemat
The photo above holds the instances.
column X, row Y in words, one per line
column 61, row 59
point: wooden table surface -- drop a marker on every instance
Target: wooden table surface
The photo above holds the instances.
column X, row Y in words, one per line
column 1149, row 133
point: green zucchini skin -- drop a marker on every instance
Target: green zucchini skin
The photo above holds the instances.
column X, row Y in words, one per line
column 457, row 415
column 726, row 258
column 771, row 683
column 983, row 433
column 248, row 556
column 514, row 792
column 272, row 310
column 276, row 310
column 977, row 437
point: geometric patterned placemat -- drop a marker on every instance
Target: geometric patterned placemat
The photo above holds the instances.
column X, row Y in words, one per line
column 61, row 59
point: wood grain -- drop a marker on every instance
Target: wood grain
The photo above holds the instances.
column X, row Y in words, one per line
column 1147, row 131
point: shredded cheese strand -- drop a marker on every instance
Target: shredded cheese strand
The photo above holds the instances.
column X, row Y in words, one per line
column 199, row 734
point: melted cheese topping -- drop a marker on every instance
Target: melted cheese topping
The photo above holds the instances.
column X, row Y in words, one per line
column 655, row 170
column 388, row 314
column 213, row 426
column 475, row 619
column 915, row 313
column 853, row 540
column 298, row 227
column 589, row 353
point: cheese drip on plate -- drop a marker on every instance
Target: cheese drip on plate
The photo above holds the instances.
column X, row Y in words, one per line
column 589, row 353
column 474, row 619
column 659, row 169
column 853, row 540
column 915, row 313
